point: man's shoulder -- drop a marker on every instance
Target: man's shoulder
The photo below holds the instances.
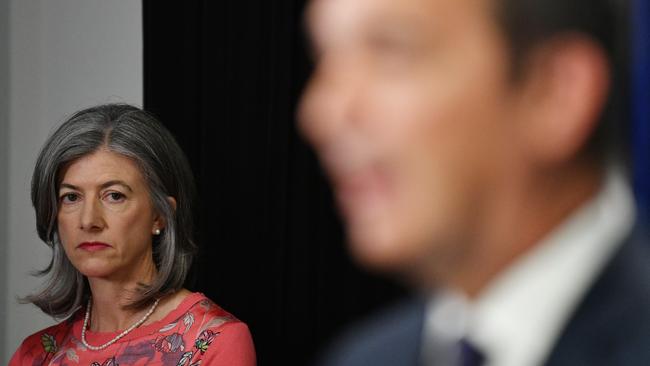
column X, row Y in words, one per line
column 611, row 326
column 390, row 337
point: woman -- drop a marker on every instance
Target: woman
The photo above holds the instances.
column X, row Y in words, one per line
column 112, row 190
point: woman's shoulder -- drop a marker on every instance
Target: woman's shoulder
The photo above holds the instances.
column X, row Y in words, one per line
column 207, row 314
column 50, row 334
column 228, row 339
column 44, row 342
column 201, row 318
column 203, row 325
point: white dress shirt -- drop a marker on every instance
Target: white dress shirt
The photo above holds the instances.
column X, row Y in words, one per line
column 517, row 319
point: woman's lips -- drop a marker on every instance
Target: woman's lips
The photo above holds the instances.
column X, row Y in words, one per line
column 93, row 246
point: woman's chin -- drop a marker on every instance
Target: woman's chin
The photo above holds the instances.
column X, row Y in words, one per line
column 96, row 271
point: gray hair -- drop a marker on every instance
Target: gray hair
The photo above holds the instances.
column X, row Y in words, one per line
column 136, row 134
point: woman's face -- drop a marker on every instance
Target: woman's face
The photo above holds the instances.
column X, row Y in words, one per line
column 106, row 219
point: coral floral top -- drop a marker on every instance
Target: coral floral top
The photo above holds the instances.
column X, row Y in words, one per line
column 198, row 332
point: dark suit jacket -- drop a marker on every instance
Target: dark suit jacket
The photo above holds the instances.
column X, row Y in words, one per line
column 611, row 326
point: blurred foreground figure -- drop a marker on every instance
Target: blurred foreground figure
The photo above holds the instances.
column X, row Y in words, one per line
column 472, row 149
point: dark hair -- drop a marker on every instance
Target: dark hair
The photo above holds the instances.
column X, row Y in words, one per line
column 529, row 23
column 136, row 134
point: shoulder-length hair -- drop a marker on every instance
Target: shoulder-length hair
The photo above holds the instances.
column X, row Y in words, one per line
column 136, row 134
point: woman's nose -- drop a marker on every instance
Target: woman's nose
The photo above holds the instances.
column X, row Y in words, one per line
column 92, row 216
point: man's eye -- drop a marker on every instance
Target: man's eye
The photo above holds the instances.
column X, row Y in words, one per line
column 69, row 198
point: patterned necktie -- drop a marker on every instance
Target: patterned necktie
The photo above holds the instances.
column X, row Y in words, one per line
column 469, row 355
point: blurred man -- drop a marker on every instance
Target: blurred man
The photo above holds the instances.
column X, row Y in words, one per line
column 466, row 141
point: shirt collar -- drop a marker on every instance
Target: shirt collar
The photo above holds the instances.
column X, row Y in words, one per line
column 517, row 318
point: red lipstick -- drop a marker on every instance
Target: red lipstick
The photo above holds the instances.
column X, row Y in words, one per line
column 93, row 246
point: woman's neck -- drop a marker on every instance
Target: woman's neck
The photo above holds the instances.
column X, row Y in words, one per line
column 110, row 298
column 109, row 315
column 107, row 310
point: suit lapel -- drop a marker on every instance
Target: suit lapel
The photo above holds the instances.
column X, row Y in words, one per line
column 611, row 326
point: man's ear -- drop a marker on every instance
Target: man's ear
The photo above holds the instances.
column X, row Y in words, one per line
column 564, row 92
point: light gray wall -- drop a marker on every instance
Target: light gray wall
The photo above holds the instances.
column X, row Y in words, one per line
column 64, row 55
column 4, row 140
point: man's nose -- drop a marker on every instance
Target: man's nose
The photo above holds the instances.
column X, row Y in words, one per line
column 92, row 216
column 331, row 101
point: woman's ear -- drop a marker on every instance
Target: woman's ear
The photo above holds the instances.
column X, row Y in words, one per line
column 172, row 202
column 159, row 221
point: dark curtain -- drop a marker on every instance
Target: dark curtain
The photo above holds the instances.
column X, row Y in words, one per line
column 225, row 77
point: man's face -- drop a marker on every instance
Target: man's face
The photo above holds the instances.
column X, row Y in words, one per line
column 410, row 110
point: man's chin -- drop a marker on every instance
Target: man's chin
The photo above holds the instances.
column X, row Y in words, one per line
column 382, row 253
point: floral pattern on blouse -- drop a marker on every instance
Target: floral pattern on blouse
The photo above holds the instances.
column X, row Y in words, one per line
column 198, row 332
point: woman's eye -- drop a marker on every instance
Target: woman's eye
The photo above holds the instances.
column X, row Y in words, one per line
column 115, row 197
column 69, row 198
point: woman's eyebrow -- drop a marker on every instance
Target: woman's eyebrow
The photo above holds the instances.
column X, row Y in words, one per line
column 68, row 185
column 116, row 182
column 102, row 186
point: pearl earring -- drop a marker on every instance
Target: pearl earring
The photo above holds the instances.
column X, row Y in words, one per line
column 156, row 232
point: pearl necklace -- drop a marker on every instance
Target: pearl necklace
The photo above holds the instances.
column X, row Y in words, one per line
column 119, row 336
